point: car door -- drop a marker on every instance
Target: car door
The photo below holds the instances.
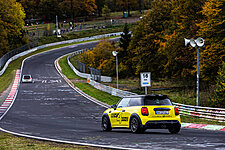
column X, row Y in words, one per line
column 126, row 112
column 116, row 115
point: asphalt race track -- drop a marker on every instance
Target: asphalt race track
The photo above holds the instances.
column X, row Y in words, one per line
column 50, row 108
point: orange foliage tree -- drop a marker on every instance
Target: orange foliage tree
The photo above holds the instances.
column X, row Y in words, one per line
column 213, row 31
column 11, row 24
column 100, row 58
column 78, row 7
column 143, row 51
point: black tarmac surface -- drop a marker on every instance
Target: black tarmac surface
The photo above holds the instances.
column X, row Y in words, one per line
column 50, row 108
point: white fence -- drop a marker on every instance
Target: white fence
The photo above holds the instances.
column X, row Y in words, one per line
column 56, row 43
column 84, row 75
column 110, row 90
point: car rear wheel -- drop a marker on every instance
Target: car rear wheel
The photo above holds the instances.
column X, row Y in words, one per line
column 174, row 129
column 106, row 124
column 135, row 126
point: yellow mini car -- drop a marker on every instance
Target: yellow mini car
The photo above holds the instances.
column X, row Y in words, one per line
column 141, row 112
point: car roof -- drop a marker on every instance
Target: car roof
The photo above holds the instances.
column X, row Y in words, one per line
column 143, row 96
column 27, row 75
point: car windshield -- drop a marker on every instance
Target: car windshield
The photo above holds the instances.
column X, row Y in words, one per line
column 26, row 77
column 150, row 100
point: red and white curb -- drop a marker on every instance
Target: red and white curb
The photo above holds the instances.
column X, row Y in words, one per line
column 9, row 100
column 58, row 66
column 203, row 126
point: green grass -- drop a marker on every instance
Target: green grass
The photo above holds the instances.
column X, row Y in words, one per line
column 11, row 142
column 99, row 95
column 85, row 87
column 66, row 69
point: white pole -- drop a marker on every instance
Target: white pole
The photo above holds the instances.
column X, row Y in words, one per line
column 117, row 74
column 57, row 25
column 146, row 90
column 197, row 99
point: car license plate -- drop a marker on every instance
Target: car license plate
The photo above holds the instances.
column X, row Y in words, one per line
column 161, row 112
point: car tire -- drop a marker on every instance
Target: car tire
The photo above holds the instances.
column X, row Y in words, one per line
column 174, row 129
column 106, row 126
column 135, row 125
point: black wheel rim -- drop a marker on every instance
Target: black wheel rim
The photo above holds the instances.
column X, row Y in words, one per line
column 134, row 125
column 104, row 123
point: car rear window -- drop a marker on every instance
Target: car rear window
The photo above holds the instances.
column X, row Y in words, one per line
column 26, row 77
column 151, row 100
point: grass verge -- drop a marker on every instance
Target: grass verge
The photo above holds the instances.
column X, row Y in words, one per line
column 85, row 87
column 11, row 142
column 109, row 99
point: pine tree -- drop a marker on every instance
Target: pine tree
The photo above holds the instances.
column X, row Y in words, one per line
column 219, row 100
column 124, row 41
column 106, row 11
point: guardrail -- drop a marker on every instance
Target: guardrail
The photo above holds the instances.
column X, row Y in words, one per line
column 16, row 51
column 202, row 112
column 110, row 90
column 19, row 54
column 84, row 75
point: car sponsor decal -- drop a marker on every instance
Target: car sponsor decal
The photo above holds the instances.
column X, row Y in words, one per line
column 124, row 119
column 114, row 115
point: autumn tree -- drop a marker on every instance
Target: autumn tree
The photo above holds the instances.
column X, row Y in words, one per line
column 147, row 4
column 4, row 44
column 49, row 9
column 100, row 5
column 126, row 5
column 181, row 60
column 112, row 5
column 11, row 24
column 30, row 7
column 75, row 8
column 88, row 7
column 100, row 58
column 213, row 31
column 219, row 100
column 106, row 11
column 143, row 50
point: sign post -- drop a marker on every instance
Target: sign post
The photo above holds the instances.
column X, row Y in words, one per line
column 146, row 80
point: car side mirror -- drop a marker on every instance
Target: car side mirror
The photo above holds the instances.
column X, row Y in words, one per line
column 114, row 107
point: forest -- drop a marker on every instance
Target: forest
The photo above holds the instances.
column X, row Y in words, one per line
column 157, row 46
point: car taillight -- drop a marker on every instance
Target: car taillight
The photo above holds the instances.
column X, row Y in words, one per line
column 144, row 111
column 176, row 111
